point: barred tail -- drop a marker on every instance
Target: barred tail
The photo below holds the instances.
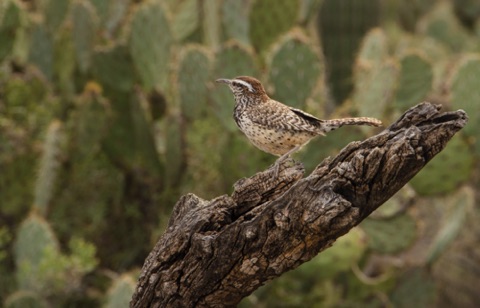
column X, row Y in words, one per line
column 336, row 123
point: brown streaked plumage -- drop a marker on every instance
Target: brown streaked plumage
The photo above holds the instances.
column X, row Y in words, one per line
column 274, row 127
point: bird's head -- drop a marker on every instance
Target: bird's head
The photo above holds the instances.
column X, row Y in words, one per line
column 243, row 86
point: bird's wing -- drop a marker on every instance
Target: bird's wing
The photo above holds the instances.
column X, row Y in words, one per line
column 279, row 116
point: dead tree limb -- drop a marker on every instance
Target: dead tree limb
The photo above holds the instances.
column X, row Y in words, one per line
column 214, row 253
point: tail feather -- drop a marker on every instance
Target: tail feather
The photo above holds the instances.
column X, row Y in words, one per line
column 330, row 125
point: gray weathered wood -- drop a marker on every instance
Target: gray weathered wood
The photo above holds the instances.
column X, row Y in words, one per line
column 214, row 253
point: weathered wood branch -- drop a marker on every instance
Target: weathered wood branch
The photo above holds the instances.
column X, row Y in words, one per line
column 214, row 253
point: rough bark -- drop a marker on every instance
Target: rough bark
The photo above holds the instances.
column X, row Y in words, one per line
column 214, row 253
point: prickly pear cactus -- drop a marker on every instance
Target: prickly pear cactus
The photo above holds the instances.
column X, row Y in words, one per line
column 113, row 68
column 150, row 44
column 84, row 21
column 465, row 93
column 174, row 150
column 192, row 78
column 49, row 165
column 235, row 20
column 295, row 69
column 211, row 23
column 232, row 60
column 34, row 237
column 437, row 176
column 442, row 24
column 415, row 81
column 25, row 299
column 456, row 207
column 120, row 293
column 9, row 22
column 389, row 236
column 282, row 16
column 374, row 76
column 373, row 50
column 347, row 251
column 55, row 13
column 65, row 62
column 186, row 19
column 414, row 288
column 41, row 50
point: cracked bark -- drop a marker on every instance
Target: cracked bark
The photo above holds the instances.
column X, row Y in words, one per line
column 214, row 253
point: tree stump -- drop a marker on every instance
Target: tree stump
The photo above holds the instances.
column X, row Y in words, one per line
column 214, row 253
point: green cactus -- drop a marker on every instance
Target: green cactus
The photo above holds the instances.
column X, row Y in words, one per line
column 64, row 65
column 55, row 13
column 8, row 25
column 113, row 68
column 235, row 20
column 120, row 293
column 41, row 50
column 25, row 97
column 437, row 176
column 111, row 13
column 130, row 142
column 49, row 165
column 192, row 77
column 341, row 38
column 150, row 44
column 347, row 251
column 174, row 150
column 185, row 19
column 442, row 24
column 25, row 299
column 90, row 121
column 457, row 208
column 415, row 81
column 34, row 237
column 232, row 60
column 84, row 27
column 374, row 76
column 295, row 69
column 282, row 16
column 465, row 93
column 374, row 88
column 415, row 288
column 373, row 50
column 390, row 236
column 211, row 23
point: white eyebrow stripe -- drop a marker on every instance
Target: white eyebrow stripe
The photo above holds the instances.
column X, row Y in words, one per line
column 249, row 86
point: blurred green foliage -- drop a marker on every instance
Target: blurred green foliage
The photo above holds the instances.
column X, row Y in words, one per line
column 109, row 112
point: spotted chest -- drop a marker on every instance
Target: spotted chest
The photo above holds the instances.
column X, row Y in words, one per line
column 273, row 141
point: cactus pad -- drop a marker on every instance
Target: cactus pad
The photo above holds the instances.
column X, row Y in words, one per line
column 437, row 176
column 41, row 53
column 192, row 76
column 113, row 67
column 150, row 44
column 120, row 293
column 415, row 81
column 49, row 165
column 390, row 236
column 185, row 19
column 465, row 93
column 282, row 16
column 235, row 20
column 295, row 70
column 84, row 29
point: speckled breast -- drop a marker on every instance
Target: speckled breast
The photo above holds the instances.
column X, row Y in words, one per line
column 273, row 141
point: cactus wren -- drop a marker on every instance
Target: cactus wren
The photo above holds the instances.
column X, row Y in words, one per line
column 274, row 127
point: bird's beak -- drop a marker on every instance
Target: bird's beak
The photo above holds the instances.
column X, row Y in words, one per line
column 223, row 80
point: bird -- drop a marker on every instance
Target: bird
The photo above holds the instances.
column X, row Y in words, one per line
column 274, row 127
